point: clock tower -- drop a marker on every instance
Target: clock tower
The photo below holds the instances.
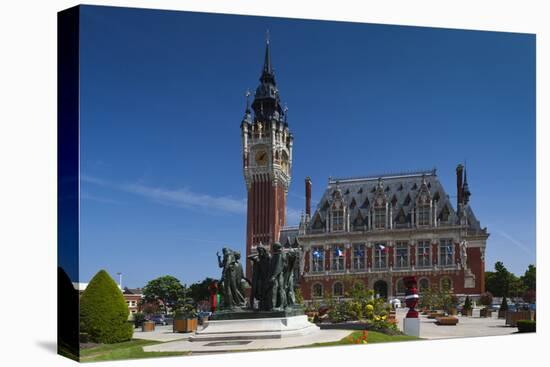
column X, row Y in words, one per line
column 267, row 161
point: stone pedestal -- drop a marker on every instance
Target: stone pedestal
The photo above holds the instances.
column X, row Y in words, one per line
column 411, row 326
column 255, row 328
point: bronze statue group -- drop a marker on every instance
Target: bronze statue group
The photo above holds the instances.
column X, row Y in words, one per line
column 272, row 284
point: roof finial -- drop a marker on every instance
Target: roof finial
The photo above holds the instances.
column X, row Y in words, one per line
column 247, row 95
column 267, row 36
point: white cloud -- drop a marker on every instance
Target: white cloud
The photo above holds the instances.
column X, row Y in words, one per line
column 183, row 197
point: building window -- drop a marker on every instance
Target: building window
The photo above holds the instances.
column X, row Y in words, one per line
column 400, row 287
column 401, row 255
column 359, row 256
column 446, row 284
column 423, row 215
column 423, row 285
column 445, row 253
column 380, row 217
column 338, row 289
column 380, row 256
column 423, row 254
column 338, row 258
column 317, row 290
column 338, row 219
column 317, row 259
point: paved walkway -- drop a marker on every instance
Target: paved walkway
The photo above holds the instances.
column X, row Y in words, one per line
column 466, row 327
column 161, row 334
column 320, row 336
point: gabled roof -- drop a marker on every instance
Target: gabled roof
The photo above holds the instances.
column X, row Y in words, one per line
column 399, row 190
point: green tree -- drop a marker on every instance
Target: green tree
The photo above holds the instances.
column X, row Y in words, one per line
column 529, row 279
column 199, row 291
column 498, row 282
column 166, row 290
column 104, row 312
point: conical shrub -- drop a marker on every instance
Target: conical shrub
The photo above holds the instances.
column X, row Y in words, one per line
column 104, row 312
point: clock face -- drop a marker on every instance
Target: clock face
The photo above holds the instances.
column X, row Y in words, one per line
column 261, row 158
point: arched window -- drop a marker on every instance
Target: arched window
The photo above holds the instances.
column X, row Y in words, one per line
column 446, row 284
column 423, row 285
column 317, row 290
column 338, row 289
column 400, row 287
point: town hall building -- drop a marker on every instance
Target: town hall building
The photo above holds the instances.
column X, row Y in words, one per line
column 373, row 229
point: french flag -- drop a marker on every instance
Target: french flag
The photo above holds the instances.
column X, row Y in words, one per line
column 316, row 254
column 338, row 252
column 381, row 247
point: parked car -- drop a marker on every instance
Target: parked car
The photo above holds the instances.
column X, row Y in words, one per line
column 159, row 320
column 494, row 307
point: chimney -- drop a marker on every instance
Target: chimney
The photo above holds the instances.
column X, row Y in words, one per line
column 308, row 198
column 459, row 170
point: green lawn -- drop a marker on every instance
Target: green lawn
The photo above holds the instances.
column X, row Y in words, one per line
column 134, row 348
column 372, row 338
column 126, row 350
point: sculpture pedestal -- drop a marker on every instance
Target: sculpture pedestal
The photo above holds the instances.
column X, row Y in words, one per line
column 255, row 328
column 411, row 326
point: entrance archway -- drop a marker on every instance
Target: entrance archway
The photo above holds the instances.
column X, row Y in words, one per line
column 381, row 289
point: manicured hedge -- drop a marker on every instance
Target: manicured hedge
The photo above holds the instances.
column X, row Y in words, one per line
column 104, row 312
column 527, row 326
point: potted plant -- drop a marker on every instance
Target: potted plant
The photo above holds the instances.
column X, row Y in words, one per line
column 486, row 299
column 185, row 319
column 451, row 308
column 139, row 317
column 503, row 308
column 467, row 308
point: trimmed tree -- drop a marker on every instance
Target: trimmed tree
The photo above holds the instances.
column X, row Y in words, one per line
column 104, row 312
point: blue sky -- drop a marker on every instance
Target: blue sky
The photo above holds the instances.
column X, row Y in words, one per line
column 162, row 97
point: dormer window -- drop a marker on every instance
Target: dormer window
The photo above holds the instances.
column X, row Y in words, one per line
column 380, row 217
column 338, row 219
column 423, row 215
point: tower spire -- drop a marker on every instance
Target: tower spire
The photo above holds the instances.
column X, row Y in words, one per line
column 267, row 103
column 267, row 71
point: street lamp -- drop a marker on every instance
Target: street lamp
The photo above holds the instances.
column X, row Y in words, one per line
column 119, row 280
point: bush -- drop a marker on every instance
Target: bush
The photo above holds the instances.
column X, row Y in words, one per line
column 139, row 317
column 527, row 326
column 104, row 312
column 467, row 303
column 486, row 298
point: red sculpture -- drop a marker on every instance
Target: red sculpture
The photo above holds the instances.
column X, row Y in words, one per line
column 213, row 288
column 411, row 296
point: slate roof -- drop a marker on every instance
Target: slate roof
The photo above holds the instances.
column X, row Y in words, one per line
column 400, row 190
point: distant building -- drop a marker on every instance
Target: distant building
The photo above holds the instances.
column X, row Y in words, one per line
column 374, row 229
column 133, row 297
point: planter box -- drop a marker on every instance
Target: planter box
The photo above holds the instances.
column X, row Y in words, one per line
column 513, row 317
column 447, row 320
column 184, row 325
column 467, row 312
column 148, row 326
column 434, row 315
column 484, row 312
